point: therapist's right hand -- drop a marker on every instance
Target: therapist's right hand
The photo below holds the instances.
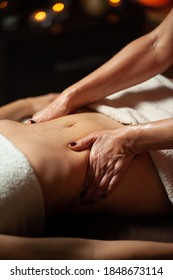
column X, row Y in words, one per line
column 57, row 108
column 109, row 159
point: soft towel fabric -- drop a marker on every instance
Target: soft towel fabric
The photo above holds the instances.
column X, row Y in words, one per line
column 151, row 100
column 21, row 200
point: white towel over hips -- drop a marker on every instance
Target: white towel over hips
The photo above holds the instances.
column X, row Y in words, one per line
column 149, row 101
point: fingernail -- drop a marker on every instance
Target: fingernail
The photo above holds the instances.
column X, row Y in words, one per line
column 31, row 121
column 72, row 144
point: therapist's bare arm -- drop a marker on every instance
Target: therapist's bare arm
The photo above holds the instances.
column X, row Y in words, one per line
column 156, row 135
column 112, row 152
column 138, row 61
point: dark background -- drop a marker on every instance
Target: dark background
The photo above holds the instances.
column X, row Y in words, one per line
column 41, row 57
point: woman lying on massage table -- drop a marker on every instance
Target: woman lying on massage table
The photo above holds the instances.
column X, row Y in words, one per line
column 57, row 174
column 140, row 60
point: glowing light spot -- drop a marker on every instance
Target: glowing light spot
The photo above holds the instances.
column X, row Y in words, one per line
column 40, row 16
column 154, row 3
column 3, row 4
column 58, row 7
column 114, row 3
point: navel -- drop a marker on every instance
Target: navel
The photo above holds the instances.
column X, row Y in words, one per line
column 73, row 124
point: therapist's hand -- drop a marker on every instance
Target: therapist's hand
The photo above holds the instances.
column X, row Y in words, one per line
column 109, row 159
column 57, row 108
column 37, row 103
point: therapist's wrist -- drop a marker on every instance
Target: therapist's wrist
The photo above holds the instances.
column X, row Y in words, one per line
column 74, row 97
column 133, row 139
column 138, row 139
column 68, row 101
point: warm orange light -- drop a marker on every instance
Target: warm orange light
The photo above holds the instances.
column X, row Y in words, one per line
column 58, row 7
column 154, row 3
column 40, row 16
column 114, row 3
column 3, row 5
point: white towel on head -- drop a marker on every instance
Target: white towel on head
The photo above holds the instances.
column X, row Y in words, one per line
column 21, row 200
column 149, row 101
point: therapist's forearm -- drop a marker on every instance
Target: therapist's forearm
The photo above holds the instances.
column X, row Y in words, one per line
column 134, row 64
column 137, row 62
column 156, row 135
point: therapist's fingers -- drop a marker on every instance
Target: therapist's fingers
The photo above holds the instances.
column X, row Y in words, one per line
column 103, row 185
column 112, row 179
column 102, row 189
column 99, row 183
column 48, row 113
column 88, row 178
column 106, row 186
column 94, row 176
column 88, row 189
column 37, row 103
column 57, row 108
column 83, row 143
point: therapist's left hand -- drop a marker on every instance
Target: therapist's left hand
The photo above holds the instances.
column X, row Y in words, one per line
column 109, row 159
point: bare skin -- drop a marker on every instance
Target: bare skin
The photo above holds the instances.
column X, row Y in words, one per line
column 64, row 167
column 23, row 108
column 142, row 59
column 13, row 247
column 152, row 51
column 46, row 145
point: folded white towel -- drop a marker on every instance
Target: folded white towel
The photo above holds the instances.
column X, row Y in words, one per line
column 21, row 200
column 151, row 100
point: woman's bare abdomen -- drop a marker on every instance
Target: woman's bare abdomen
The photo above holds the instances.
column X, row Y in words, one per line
column 61, row 172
